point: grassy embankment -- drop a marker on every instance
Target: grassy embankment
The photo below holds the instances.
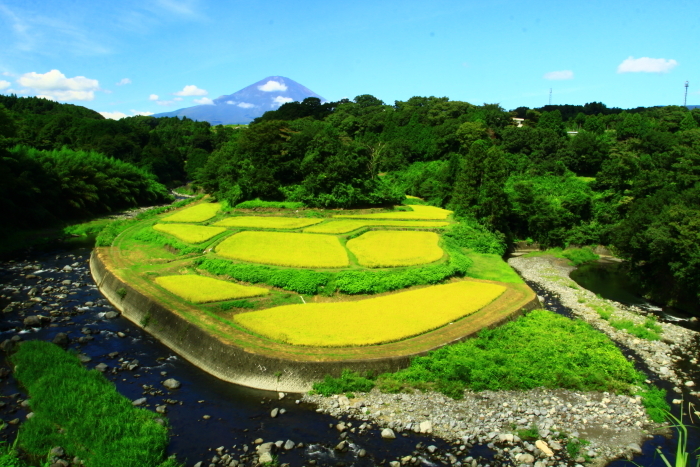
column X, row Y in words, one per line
column 82, row 412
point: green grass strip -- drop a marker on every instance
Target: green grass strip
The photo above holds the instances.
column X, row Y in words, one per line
column 82, row 412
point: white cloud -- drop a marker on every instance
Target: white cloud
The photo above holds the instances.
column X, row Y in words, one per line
column 204, row 101
column 137, row 112
column 273, row 86
column 54, row 84
column 7, row 73
column 558, row 75
column 153, row 97
column 282, row 100
column 245, row 105
column 191, row 90
column 646, row 65
column 177, row 99
column 231, row 102
column 48, row 98
column 113, row 115
column 5, row 84
column 165, row 102
column 124, row 81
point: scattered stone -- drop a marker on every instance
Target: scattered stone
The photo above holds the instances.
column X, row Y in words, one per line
column 32, row 321
column 206, row 417
column 635, row 448
column 388, row 433
column 111, row 314
column 265, row 458
column 140, row 401
column 288, row 445
column 542, row 446
column 426, row 427
column 274, row 412
column 61, row 339
column 171, row 383
column 101, row 367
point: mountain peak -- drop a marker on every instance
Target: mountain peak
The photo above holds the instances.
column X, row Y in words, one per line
column 250, row 102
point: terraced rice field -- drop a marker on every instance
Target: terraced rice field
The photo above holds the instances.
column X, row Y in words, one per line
column 374, row 320
column 392, row 248
column 348, row 225
column 419, row 212
column 301, row 250
column 200, row 289
column 197, row 213
column 255, row 222
column 189, row 233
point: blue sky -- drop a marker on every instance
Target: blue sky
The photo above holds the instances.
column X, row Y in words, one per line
column 148, row 56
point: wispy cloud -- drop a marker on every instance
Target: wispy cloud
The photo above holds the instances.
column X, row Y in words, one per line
column 204, row 101
column 646, row 65
column 245, row 105
column 118, row 115
column 165, row 103
column 153, row 97
column 124, row 81
column 282, row 100
column 559, row 75
column 272, row 85
column 55, row 85
column 4, row 84
column 191, row 90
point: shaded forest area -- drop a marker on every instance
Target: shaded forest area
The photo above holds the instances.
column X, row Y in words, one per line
column 629, row 179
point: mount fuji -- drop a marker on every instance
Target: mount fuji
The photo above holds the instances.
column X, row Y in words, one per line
column 250, row 102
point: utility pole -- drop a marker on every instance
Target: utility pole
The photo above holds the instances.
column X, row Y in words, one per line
column 685, row 99
column 550, row 94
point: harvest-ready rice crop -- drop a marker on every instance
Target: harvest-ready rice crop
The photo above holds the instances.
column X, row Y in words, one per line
column 391, row 248
column 300, row 250
column 189, row 233
column 201, row 289
column 374, row 320
column 198, row 213
column 348, row 225
column 419, row 212
column 256, row 222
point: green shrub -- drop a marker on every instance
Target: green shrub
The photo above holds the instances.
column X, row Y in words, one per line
column 152, row 237
column 349, row 381
column 469, row 233
column 654, row 401
column 574, row 446
column 579, row 256
column 541, row 349
column 236, row 304
column 640, row 331
column 258, row 203
column 96, row 423
column 529, row 434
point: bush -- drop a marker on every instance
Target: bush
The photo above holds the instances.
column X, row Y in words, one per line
column 349, row 381
column 579, row 256
column 468, row 233
column 258, row 203
column 541, row 349
column 654, row 401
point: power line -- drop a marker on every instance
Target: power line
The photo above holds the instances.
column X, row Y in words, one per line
column 550, row 95
column 685, row 99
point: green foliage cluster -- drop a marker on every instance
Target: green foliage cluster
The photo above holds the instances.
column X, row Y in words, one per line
column 349, row 282
column 236, row 304
column 96, row 423
column 649, row 330
column 470, row 234
column 349, row 381
column 540, row 349
column 654, row 401
column 577, row 256
column 257, row 203
column 297, row 280
column 45, row 187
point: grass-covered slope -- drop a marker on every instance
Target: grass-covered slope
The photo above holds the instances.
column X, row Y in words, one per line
column 541, row 349
column 82, row 412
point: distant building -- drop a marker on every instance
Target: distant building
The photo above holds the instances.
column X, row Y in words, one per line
column 518, row 121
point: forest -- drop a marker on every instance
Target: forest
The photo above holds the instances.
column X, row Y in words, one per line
column 563, row 175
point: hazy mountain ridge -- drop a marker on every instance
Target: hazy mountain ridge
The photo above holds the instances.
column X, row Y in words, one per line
column 250, row 102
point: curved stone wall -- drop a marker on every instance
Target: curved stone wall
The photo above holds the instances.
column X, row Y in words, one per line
column 229, row 362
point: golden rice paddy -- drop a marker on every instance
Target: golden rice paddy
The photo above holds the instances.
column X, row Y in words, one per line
column 348, row 225
column 419, row 212
column 299, row 250
column 198, row 213
column 374, row 320
column 255, row 222
column 200, row 289
column 190, row 233
column 391, row 248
